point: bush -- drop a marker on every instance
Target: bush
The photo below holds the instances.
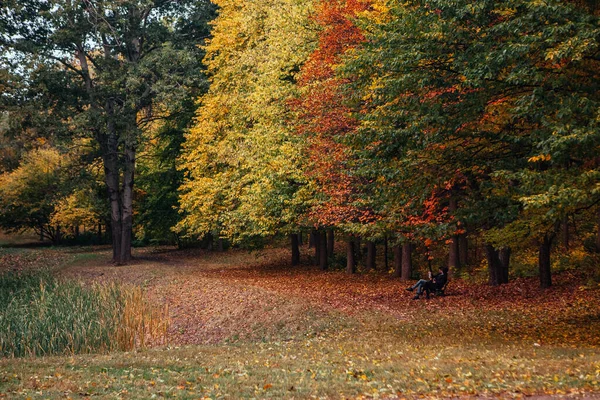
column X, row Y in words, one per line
column 40, row 315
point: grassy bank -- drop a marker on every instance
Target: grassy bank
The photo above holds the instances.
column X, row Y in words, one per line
column 40, row 315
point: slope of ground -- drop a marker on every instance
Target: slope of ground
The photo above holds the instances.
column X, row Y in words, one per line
column 246, row 325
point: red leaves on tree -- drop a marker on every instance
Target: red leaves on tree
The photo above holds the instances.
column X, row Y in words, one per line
column 325, row 117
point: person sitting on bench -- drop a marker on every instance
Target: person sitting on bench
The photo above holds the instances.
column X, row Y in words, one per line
column 435, row 283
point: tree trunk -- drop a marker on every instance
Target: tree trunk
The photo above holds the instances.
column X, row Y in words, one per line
column 109, row 147
column 598, row 233
column 127, row 205
column 323, row 251
column 350, row 260
column 494, row 267
column 295, row 249
column 504, row 256
column 371, row 254
column 385, row 254
column 316, row 236
column 330, row 242
column 311, row 239
column 463, row 249
column 398, row 261
column 406, row 261
column 453, row 256
column 544, row 262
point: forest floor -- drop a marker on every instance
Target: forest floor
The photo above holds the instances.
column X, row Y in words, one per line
column 247, row 325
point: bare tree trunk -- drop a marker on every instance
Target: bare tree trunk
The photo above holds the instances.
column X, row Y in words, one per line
column 330, row 242
column 323, row 251
column 127, row 206
column 385, row 254
column 316, row 235
column 504, row 256
column 598, row 231
column 371, row 254
column 398, row 261
column 406, row 261
column 565, row 233
column 295, row 249
column 109, row 147
column 350, row 260
column 544, row 262
column 493, row 261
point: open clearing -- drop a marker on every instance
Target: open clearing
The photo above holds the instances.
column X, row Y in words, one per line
column 246, row 325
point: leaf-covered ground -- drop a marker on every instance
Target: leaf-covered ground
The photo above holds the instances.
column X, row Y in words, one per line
column 246, row 325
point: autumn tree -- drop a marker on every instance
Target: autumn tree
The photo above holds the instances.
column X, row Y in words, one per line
column 112, row 60
column 485, row 99
column 242, row 161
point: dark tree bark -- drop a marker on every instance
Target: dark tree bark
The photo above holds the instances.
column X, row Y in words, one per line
column 463, row 249
column 371, row 255
column 316, row 235
column 453, row 256
column 127, row 204
column 598, row 231
column 330, row 242
column 544, row 262
column 504, row 257
column 311, row 239
column 323, row 251
column 295, row 249
column 494, row 265
column 385, row 254
column 406, row 261
column 398, row 261
column 350, row 260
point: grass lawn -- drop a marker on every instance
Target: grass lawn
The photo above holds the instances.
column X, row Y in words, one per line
column 247, row 326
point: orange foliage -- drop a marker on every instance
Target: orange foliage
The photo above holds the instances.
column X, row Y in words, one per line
column 325, row 117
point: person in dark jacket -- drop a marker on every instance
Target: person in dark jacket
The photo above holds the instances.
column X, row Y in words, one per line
column 434, row 283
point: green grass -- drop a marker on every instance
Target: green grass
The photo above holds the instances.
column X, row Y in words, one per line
column 369, row 357
column 40, row 315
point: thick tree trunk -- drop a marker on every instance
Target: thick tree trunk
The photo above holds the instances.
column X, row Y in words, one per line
column 330, row 242
column 371, row 254
column 398, row 261
column 494, row 266
column 504, row 257
column 406, row 261
column 316, row 238
column 463, row 249
column 323, row 251
column 311, row 239
column 295, row 249
column 350, row 260
column 127, row 204
column 544, row 262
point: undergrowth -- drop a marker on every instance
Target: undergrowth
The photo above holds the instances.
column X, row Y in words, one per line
column 40, row 315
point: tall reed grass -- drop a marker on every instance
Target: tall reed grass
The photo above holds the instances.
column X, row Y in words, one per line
column 40, row 315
